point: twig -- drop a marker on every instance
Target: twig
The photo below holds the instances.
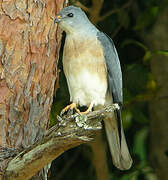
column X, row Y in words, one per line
column 94, row 11
column 113, row 11
column 86, row 9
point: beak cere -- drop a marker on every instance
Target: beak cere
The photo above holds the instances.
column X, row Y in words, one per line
column 57, row 19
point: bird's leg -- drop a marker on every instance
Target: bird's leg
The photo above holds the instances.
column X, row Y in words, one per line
column 74, row 106
column 88, row 110
column 71, row 107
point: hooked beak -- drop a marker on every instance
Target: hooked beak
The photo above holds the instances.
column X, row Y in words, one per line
column 57, row 19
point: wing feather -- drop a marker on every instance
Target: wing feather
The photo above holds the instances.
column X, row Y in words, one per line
column 113, row 125
column 113, row 68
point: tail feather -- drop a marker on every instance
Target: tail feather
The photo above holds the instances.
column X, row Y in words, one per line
column 117, row 143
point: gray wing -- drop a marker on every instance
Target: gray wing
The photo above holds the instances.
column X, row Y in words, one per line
column 114, row 74
column 113, row 125
column 113, row 68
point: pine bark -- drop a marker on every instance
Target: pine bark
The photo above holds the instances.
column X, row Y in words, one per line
column 29, row 50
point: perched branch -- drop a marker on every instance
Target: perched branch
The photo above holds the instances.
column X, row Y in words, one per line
column 71, row 131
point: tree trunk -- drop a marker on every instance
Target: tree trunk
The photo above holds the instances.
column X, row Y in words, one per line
column 159, row 106
column 99, row 157
column 29, row 49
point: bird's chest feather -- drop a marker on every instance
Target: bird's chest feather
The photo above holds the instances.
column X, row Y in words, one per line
column 85, row 70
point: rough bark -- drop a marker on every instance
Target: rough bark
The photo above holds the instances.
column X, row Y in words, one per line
column 69, row 132
column 157, row 40
column 29, row 46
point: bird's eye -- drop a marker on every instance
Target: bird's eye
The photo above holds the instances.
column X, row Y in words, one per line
column 70, row 15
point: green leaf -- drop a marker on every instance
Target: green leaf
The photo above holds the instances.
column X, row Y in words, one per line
column 130, row 176
column 162, row 52
column 139, row 143
column 127, row 118
column 131, row 41
column 147, row 56
column 151, row 84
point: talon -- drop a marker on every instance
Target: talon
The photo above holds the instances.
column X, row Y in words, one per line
column 88, row 110
column 74, row 106
column 71, row 107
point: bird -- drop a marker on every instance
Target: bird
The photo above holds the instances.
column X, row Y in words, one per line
column 92, row 69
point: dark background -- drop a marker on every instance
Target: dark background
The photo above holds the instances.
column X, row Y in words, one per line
column 138, row 29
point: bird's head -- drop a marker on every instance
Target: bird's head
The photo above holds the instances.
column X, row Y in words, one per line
column 72, row 19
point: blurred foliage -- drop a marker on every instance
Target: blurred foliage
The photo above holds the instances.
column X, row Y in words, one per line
column 126, row 27
column 147, row 18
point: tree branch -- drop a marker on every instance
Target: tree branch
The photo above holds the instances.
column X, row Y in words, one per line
column 113, row 11
column 71, row 131
column 86, row 9
column 94, row 11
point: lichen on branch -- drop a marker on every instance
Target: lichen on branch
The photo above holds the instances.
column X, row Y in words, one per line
column 70, row 131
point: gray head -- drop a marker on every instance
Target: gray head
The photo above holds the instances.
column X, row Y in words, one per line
column 72, row 19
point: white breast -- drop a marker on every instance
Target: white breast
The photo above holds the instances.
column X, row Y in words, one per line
column 85, row 71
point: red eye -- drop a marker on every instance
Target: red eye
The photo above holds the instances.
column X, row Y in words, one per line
column 70, row 15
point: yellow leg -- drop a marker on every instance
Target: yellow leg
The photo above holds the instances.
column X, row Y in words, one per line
column 74, row 106
column 71, row 107
column 88, row 110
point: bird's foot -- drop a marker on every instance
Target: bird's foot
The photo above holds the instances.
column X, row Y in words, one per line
column 74, row 106
column 71, row 107
column 88, row 110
